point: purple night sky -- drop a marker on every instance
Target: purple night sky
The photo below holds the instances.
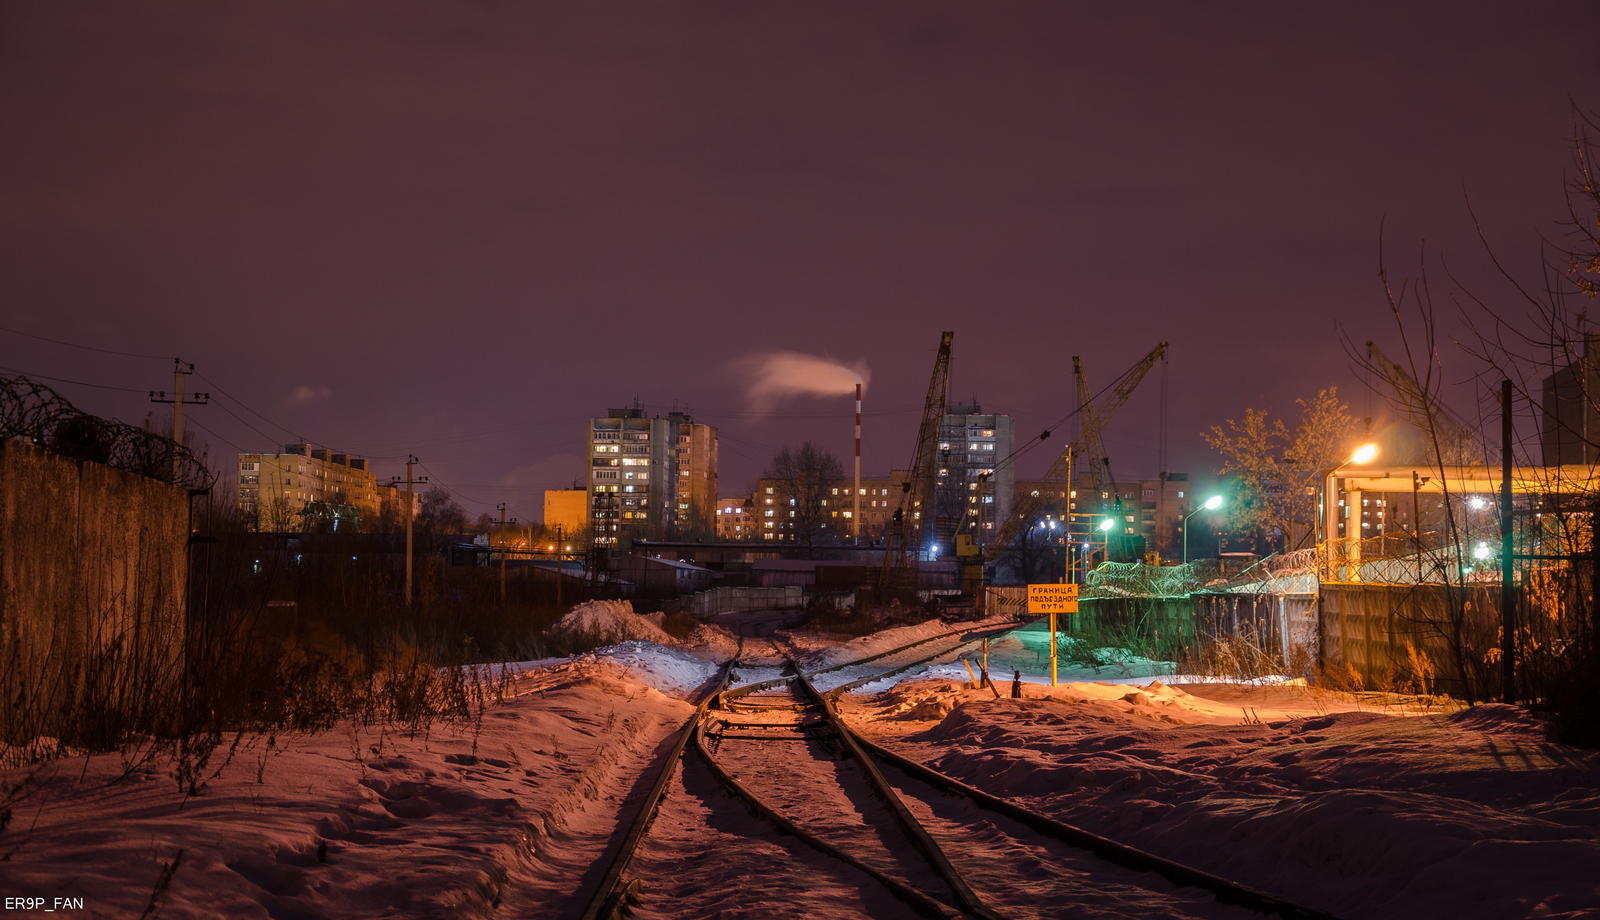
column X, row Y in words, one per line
column 460, row 229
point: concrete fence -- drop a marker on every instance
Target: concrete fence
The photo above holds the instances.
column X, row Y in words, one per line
column 93, row 562
column 727, row 600
column 1446, row 639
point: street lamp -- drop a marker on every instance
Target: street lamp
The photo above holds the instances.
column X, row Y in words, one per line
column 1212, row 504
column 1363, row 454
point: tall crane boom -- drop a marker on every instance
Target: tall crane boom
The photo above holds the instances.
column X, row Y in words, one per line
column 1415, row 401
column 1094, row 419
column 914, row 517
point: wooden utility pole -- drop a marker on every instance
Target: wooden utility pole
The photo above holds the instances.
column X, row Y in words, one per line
column 178, row 402
column 411, row 482
column 1508, row 594
column 502, row 522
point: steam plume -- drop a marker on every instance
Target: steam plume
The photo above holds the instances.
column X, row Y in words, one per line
column 778, row 375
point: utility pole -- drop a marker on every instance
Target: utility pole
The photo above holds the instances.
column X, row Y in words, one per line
column 411, row 503
column 502, row 522
column 178, row 402
column 559, row 532
column 1508, row 594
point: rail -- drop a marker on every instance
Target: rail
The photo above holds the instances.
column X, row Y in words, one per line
column 608, row 897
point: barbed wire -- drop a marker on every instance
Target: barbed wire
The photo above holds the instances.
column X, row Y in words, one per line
column 33, row 412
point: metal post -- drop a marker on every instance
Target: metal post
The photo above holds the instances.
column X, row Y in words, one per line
column 410, row 501
column 1353, row 534
column 1508, row 633
column 1052, row 649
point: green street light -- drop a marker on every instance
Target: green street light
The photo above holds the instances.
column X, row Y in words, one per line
column 1107, row 524
column 1212, row 504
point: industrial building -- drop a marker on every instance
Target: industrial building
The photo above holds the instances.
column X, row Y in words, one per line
column 567, row 510
column 1569, row 430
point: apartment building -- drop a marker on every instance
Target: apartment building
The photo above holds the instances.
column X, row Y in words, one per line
column 779, row 513
column 633, row 475
column 697, row 474
column 973, row 492
column 1151, row 509
column 305, row 487
column 736, row 518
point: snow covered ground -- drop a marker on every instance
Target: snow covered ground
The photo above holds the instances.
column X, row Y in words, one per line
column 1324, row 799
column 1365, row 807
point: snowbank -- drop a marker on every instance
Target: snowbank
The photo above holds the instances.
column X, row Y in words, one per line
column 875, row 644
column 669, row 670
column 608, row 621
column 1361, row 814
column 507, row 814
column 711, row 642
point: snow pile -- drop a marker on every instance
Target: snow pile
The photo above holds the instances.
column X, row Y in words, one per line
column 875, row 644
column 669, row 670
column 608, row 622
column 711, row 642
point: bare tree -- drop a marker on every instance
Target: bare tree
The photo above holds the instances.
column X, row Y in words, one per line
column 803, row 478
column 1277, row 469
column 439, row 513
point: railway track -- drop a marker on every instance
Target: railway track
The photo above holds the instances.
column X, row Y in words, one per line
column 835, row 824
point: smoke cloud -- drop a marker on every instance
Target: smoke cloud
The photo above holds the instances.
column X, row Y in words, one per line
column 302, row 396
column 779, row 375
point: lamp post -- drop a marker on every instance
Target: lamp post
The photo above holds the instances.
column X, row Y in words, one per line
column 1212, row 504
column 1363, row 454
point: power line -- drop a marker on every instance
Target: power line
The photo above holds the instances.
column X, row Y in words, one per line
column 258, row 415
column 80, row 383
column 104, row 351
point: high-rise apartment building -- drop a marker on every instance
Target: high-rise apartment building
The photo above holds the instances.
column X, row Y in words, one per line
column 633, row 476
column 972, row 445
column 697, row 474
column 305, row 487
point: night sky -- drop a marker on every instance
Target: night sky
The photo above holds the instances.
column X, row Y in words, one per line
column 459, row 229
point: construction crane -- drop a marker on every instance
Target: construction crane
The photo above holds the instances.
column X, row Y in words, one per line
column 1423, row 408
column 914, row 518
column 1086, row 449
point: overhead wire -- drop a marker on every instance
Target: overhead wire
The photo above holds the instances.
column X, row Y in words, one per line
column 104, row 351
column 80, row 383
